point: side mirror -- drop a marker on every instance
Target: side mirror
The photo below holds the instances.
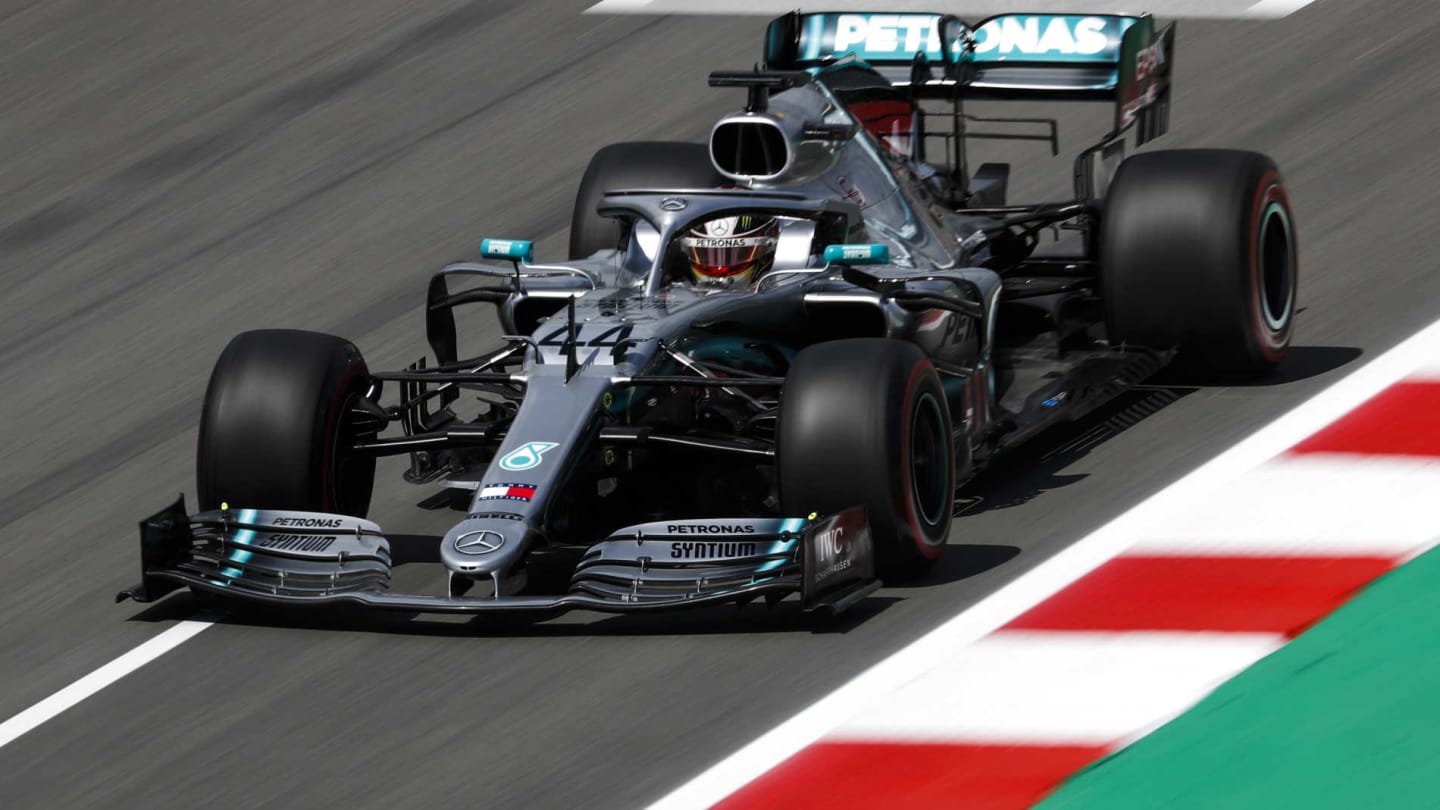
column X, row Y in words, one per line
column 857, row 254
column 517, row 250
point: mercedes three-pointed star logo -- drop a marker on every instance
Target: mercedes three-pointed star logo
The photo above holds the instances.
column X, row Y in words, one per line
column 674, row 204
column 482, row 541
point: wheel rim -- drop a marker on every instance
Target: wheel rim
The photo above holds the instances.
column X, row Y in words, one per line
column 348, row 472
column 929, row 465
column 1277, row 267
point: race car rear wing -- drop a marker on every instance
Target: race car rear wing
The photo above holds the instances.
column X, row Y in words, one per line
column 1008, row 56
column 1067, row 57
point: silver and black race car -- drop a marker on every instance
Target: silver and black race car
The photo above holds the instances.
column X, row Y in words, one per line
column 770, row 360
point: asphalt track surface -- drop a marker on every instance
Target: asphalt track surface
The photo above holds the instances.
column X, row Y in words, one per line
column 176, row 171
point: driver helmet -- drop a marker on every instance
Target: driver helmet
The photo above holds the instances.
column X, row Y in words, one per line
column 731, row 251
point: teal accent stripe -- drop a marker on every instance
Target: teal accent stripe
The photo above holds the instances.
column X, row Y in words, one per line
column 816, row 24
column 790, row 526
column 243, row 537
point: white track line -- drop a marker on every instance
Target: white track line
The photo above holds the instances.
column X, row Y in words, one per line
column 1430, row 372
column 1276, row 8
column 1057, row 687
column 38, row 714
column 1165, row 9
column 1048, row 578
column 1315, row 504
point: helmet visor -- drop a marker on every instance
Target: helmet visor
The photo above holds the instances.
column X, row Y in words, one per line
column 725, row 256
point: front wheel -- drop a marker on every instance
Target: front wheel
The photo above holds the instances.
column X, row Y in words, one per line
column 865, row 422
column 278, row 425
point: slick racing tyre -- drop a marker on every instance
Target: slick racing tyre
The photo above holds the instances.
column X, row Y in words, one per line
column 652, row 164
column 865, row 422
column 278, row 422
column 1198, row 252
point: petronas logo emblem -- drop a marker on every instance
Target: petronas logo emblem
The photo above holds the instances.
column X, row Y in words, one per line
column 526, row 457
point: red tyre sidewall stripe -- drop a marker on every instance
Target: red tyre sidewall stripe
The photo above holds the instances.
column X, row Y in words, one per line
column 908, row 486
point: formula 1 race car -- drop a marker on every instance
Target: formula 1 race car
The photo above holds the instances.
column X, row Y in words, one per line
column 770, row 360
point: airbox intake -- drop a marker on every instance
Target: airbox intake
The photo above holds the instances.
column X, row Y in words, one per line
column 750, row 147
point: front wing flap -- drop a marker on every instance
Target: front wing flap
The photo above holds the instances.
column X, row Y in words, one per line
column 313, row 559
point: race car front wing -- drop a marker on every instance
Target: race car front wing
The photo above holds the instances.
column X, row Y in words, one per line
column 300, row 559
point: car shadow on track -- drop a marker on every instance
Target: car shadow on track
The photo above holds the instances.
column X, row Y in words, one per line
column 785, row 617
column 1304, row 362
column 1300, row 363
column 1019, row 476
column 960, row 561
column 1028, row 472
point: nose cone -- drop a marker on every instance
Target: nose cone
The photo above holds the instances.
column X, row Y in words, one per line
column 482, row 547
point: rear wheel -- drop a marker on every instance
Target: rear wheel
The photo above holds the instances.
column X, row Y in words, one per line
column 1199, row 252
column 278, row 424
column 865, row 422
column 648, row 164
